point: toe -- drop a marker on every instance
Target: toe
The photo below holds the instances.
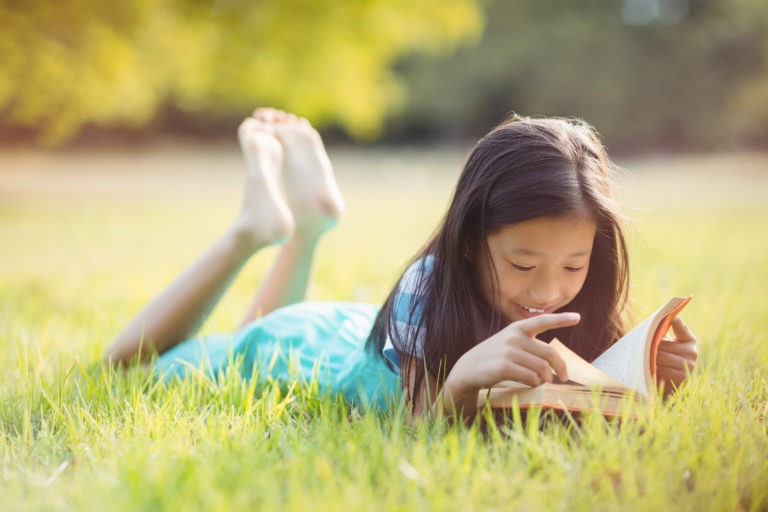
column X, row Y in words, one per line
column 251, row 126
column 281, row 116
column 247, row 126
column 266, row 115
column 263, row 127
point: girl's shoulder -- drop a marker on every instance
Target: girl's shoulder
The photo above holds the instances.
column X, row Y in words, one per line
column 415, row 274
column 405, row 314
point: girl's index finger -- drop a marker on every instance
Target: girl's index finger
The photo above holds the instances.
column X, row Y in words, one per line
column 536, row 325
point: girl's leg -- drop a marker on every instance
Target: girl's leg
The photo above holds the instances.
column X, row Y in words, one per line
column 315, row 201
column 265, row 219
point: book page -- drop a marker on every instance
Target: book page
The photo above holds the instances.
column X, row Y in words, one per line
column 580, row 371
column 629, row 360
column 625, row 359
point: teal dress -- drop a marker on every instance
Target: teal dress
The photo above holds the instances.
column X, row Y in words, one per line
column 324, row 341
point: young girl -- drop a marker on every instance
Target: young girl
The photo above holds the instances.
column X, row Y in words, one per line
column 530, row 248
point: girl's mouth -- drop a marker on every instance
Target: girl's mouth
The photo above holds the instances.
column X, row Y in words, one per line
column 531, row 311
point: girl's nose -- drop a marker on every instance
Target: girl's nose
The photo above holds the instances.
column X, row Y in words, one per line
column 544, row 293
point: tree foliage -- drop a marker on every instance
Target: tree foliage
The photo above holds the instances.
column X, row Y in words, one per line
column 699, row 80
column 649, row 74
column 67, row 63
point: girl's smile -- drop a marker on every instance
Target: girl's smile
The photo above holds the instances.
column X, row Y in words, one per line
column 529, row 311
column 540, row 265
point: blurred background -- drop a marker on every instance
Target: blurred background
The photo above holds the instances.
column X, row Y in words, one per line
column 651, row 75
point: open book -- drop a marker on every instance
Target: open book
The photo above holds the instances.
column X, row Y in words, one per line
column 626, row 370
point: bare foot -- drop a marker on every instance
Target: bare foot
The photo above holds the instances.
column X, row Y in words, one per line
column 265, row 218
column 310, row 186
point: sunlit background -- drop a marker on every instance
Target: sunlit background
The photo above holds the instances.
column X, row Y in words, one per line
column 651, row 75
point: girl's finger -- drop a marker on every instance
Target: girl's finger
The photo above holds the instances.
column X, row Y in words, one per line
column 520, row 373
column 536, row 325
column 681, row 330
column 668, row 360
column 544, row 352
column 673, row 375
column 686, row 349
column 536, row 364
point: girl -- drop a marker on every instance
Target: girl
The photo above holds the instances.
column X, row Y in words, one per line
column 530, row 248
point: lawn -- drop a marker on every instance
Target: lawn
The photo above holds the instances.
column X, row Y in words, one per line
column 86, row 238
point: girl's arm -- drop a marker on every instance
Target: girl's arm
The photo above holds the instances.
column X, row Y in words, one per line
column 436, row 402
column 514, row 353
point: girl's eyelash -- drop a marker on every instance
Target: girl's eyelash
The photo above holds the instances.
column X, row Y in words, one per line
column 521, row 267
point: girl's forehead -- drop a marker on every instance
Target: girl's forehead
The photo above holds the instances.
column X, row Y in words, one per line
column 546, row 235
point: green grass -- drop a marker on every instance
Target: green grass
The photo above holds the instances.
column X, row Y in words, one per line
column 81, row 251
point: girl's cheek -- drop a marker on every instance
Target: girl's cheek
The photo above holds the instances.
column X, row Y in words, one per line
column 575, row 288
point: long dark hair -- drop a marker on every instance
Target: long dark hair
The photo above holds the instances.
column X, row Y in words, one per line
column 523, row 169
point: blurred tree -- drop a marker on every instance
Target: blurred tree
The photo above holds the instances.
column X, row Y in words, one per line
column 67, row 63
column 649, row 74
column 682, row 75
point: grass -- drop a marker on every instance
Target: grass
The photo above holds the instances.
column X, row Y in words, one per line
column 85, row 239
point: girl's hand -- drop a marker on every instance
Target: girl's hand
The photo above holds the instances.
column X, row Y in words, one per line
column 676, row 357
column 514, row 353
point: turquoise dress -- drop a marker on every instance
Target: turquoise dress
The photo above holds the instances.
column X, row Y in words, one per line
column 324, row 341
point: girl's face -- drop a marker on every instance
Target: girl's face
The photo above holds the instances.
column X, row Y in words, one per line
column 540, row 264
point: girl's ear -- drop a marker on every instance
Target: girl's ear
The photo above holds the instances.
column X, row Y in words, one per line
column 466, row 250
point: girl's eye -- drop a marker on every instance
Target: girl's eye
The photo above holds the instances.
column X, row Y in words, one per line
column 521, row 268
column 573, row 269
